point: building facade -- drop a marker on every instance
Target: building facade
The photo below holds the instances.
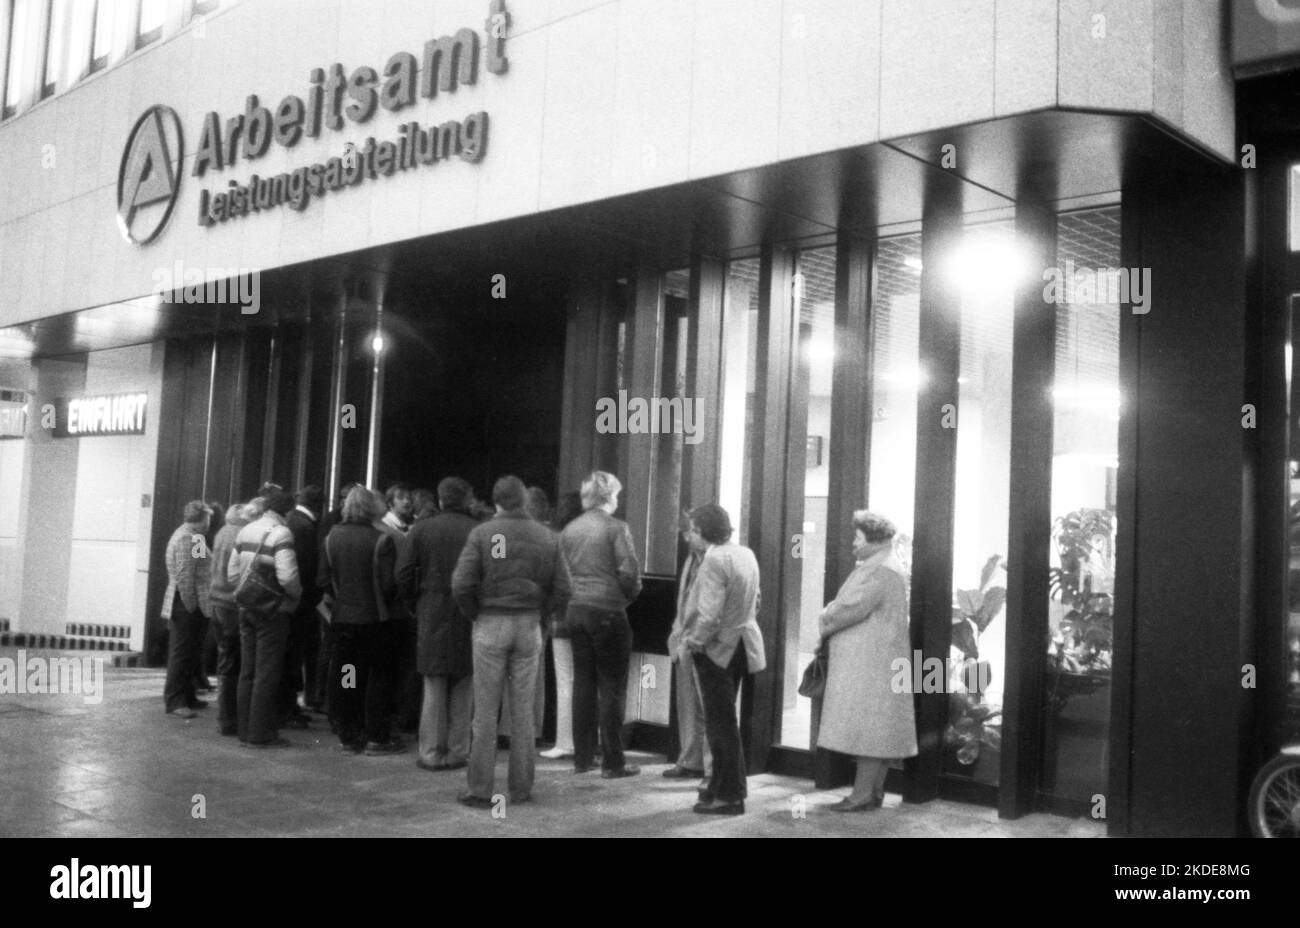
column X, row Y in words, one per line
column 1014, row 274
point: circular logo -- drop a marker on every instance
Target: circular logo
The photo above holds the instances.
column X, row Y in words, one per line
column 149, row 177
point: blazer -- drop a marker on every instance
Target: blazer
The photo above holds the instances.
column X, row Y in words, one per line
column 687, row 600
column 721, row 609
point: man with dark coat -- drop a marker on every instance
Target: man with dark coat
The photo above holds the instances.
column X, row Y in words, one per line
column 303, row 649
column 443, row 651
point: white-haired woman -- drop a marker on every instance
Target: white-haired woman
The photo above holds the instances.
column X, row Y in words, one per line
column 867, row 626
column 605, row 577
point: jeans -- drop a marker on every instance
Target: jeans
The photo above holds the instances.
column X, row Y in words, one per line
column 602, row 644
column 718, row 686
column 182, row 656
column 225, row 620
column 444, row 719
column 362, row 675
column 504, row 643
column 694, row 752
column 261, row 656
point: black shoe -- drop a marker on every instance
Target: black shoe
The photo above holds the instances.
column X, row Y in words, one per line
column 628, row 770
column 520, row 798
column 714, row 807
column 350, row 747
column 298, row 721
column 227, row 732
column 198, row 704
column 678, row 772
column 275, row 743
column 474, row 802
column 181, row 713
column 375, row 748
column 583, row 768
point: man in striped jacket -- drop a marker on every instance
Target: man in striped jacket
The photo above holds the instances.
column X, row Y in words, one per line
column 263, row 636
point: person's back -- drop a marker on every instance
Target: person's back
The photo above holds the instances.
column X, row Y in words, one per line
column 510, row 564
column 434, row 547
column 601, row 560
column 352, row 552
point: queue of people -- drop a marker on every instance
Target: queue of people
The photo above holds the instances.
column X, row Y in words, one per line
column 429, row 612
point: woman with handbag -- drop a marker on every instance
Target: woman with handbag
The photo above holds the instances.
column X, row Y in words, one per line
column 358, row 563
column 866, row 628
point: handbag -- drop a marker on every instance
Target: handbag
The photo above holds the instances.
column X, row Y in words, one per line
column 259, row 589
column 813, row 684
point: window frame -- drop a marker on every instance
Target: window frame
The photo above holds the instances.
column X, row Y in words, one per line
column 48, row 87
column 144, row 39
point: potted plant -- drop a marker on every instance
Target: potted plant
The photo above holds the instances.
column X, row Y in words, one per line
column 1079, row 649
column 974, row 724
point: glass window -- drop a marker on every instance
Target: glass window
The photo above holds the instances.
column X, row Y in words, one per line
column 662, row 534
column 201, row 7
column 810, row 425
column 21, row 14
column 107, row 16
column 150, row 25
column 55, row 46
column 987, row 266
column 739, row 363
column 1086, row 397
column 895, row 377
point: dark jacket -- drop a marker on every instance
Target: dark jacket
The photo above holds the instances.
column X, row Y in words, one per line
column 424, row 570
column 306, row 546
column 361, row 578
column 603, row 568
column 510, row 564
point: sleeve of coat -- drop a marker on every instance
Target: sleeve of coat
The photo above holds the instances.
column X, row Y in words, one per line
column 629, row 570
column 711, row 583
column 860, row 596
column 203, row 574
column 387, row 566
column 187, row 582
column 563, row 588
column 286, row 567
column 324, row 574
column 465, row 579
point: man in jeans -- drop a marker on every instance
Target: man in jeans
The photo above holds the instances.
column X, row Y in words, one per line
column 185, row 604
column 603, row 569
column 720, row 630
column 508, row 573
column 263, row 636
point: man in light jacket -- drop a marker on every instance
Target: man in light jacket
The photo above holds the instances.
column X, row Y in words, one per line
column 263, row 636
column 721, row 631
column 693, row 758
column 185, row 604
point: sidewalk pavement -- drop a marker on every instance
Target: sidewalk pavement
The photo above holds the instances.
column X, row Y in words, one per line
column 123, row 768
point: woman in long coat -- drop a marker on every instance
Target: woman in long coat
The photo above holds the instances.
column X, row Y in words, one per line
column 866, row 623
